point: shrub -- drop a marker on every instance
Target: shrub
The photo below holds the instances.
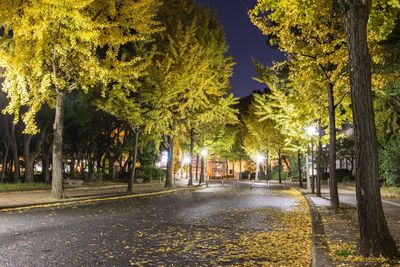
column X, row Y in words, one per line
column 343, row 175
column 389, row 164
column 148, row 173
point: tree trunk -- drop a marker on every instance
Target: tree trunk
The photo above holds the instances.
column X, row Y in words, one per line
column 319, row 162
column 227, row 168
column 46, row 167
column 375, row 237
column 170, row 163
column 28, row 162
column 333, row 187
column 4, row 163
column 279, row 166
column 72, row 166
column 299, row 166
column 12, row 140
column 197, row 166
column 133, row 168
column 240, row 169
column 57, row 171
column 202, row 170
column 190, row 182
column 111, row 166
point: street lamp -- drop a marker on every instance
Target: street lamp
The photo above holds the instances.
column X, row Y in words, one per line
column 311, row 131
column 204, row 152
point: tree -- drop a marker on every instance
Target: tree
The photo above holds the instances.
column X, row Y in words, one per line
column 374, row 232
column 50, row 48
column 312, row 35
column 190, row 77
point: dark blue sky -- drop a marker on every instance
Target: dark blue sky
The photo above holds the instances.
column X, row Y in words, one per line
column 245, row 42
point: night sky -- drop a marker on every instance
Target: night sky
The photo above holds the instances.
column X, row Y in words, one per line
column 245, row 42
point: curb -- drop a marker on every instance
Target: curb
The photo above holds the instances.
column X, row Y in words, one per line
column 93, row 199
column 320, row 252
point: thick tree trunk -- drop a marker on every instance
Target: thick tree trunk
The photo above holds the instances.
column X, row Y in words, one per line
column 319, row 163
column 46, row 167
column 202, row 171
column 134, row 156
column 170, row 163
column 12, row 140
column 279, row 166
column 333, row 187
column 28, row 162
column 312, row 168
column 299, row 166
column 57, row 171
column 375, row 237
column 190, row 182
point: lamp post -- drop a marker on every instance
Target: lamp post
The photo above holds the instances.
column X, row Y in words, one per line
column 186, row 161
column 311, row 130
column 259, row 159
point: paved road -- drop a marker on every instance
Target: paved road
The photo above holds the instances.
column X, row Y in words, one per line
column 180, row 229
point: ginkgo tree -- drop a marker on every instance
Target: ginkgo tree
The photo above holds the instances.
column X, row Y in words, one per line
column 190, row 77
column 50, row 48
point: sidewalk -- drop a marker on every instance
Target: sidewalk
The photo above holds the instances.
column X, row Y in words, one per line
column 10, row 200
column 339, row 231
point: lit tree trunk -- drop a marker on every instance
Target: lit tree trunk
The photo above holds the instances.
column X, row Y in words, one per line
column 170, row 163
column 375, row 237
column 333, row 187
column 299, row 166
column 191, row 157
column 57, row 171
column 133, row 167
column 279, row 166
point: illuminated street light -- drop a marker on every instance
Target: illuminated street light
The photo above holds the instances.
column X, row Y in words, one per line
column 204, row 152
column 311, row 130
column 186, row 160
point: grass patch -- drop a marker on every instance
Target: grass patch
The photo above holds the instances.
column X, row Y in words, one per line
column 388, row 191
column 23, row 187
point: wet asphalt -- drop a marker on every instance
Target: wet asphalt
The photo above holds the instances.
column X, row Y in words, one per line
column 145, row 231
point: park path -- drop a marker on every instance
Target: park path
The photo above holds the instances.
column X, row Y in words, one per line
column 194, row 227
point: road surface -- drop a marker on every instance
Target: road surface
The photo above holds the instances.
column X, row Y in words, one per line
column 182, row 229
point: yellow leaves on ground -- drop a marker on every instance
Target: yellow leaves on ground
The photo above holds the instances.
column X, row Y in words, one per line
column 277, row 238
column 341, row 234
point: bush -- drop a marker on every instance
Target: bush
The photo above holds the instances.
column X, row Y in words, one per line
column 148, row 173
column 389, row 165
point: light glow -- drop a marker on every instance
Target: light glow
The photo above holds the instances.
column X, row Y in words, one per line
column 311, row 130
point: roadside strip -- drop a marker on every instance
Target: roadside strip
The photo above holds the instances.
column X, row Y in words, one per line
column 92, row 200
